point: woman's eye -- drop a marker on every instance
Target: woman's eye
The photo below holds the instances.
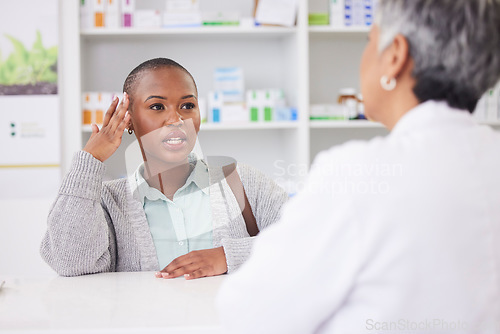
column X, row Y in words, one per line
column 156, row 107
column 188, row 106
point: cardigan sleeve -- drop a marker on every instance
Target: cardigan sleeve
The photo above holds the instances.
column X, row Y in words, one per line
column 266, row 199
column 79, row 238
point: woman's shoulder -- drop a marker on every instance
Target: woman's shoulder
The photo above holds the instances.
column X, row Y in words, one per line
column 117, row 188
column 246, row 170
column 251, row 176
column 115, row 183
column 257, row 183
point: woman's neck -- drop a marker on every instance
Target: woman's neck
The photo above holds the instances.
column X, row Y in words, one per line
column 167, row 178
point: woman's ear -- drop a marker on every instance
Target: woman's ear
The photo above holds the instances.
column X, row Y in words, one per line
column 397, row 57
column 130, row 127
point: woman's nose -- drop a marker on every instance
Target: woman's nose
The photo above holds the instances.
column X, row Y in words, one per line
column 173, row 118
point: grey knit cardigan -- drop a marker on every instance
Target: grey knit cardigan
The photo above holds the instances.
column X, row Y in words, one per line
column 97, row 226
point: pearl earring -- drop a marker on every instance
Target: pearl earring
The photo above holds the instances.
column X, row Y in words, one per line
column 387, row 84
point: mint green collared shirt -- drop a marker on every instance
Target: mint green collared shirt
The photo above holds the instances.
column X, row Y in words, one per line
column 183, row 224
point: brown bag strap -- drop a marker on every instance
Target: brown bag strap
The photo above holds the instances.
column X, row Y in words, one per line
column 234, row 182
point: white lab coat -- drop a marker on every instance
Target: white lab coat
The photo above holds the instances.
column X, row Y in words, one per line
column 396, row 234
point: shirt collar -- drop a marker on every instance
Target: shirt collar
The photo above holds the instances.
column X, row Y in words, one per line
column 199, row 177
column 430, row 114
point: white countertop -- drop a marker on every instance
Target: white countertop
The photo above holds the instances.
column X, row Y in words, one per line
column 109, row 303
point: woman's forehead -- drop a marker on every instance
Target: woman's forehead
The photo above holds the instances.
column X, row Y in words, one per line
column 165, row 78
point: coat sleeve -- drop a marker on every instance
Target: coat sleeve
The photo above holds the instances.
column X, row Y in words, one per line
column 266, row 199
column 301, row 268
column 80, row 237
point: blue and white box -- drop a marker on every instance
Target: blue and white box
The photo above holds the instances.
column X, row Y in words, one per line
column 230, row 82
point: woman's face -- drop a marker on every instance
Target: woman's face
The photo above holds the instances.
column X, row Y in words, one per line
column 371, row 72
column 165, row 115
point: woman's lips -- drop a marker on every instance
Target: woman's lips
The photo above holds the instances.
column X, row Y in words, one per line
column 175, row 140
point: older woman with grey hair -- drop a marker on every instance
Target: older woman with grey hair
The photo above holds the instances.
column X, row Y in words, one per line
column 402, row 233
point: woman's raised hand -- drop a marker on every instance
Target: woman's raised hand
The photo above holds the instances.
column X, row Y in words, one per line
column 103, row 143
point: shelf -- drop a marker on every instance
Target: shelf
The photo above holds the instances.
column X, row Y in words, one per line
column 233, row 126
column 271, row 56
column 193, row 31
column 343, row 124
column 363, row 124
column 249, row 126
column 490, row 123
column 335, row 30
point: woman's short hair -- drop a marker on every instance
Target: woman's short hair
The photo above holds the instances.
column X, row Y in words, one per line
column 148, row 65
column 455, row 46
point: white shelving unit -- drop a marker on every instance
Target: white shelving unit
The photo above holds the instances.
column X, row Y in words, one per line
column 209, row 30
column 311, row 64
column 271, row 57
column 332, row 30
column 355, row 124
column 234, row 126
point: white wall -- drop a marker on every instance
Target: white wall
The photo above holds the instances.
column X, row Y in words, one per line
column 24, row 208
column 22, row 226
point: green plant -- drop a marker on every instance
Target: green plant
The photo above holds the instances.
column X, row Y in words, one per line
column 24, row 67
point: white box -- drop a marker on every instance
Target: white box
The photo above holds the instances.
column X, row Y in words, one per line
column 87, row 112
column 215, row 104
column 256, row 104
column 285, row 114
column 101, row 101
column 358, row 15
column 269, row 105
column 202, row 107
column 127, row 6
column 348, row 13
column 182, row 5
column 253, row 105
column 280, row 12
column 147, row 18
column 221, row 18
column 127, row 14
column 86, row 18
column 230, row 82
column 234, row 113
column 98, row 18
column 337, row 13
column 368, row 12
column 181, row 19
column 112, row 14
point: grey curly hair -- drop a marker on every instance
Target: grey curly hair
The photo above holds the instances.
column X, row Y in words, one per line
column 455, row 46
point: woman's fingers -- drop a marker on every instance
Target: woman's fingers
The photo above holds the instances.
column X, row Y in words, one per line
column 95, row 129
column 110, row 112
column 195, row 264
column 123, row 124
column 202, row 272
column 104, row 142
column 182, row 271
column 119, row 115
column 184, row 264
column 179, row 262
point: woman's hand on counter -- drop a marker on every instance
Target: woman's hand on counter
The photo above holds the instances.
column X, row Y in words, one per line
column 196, row 264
